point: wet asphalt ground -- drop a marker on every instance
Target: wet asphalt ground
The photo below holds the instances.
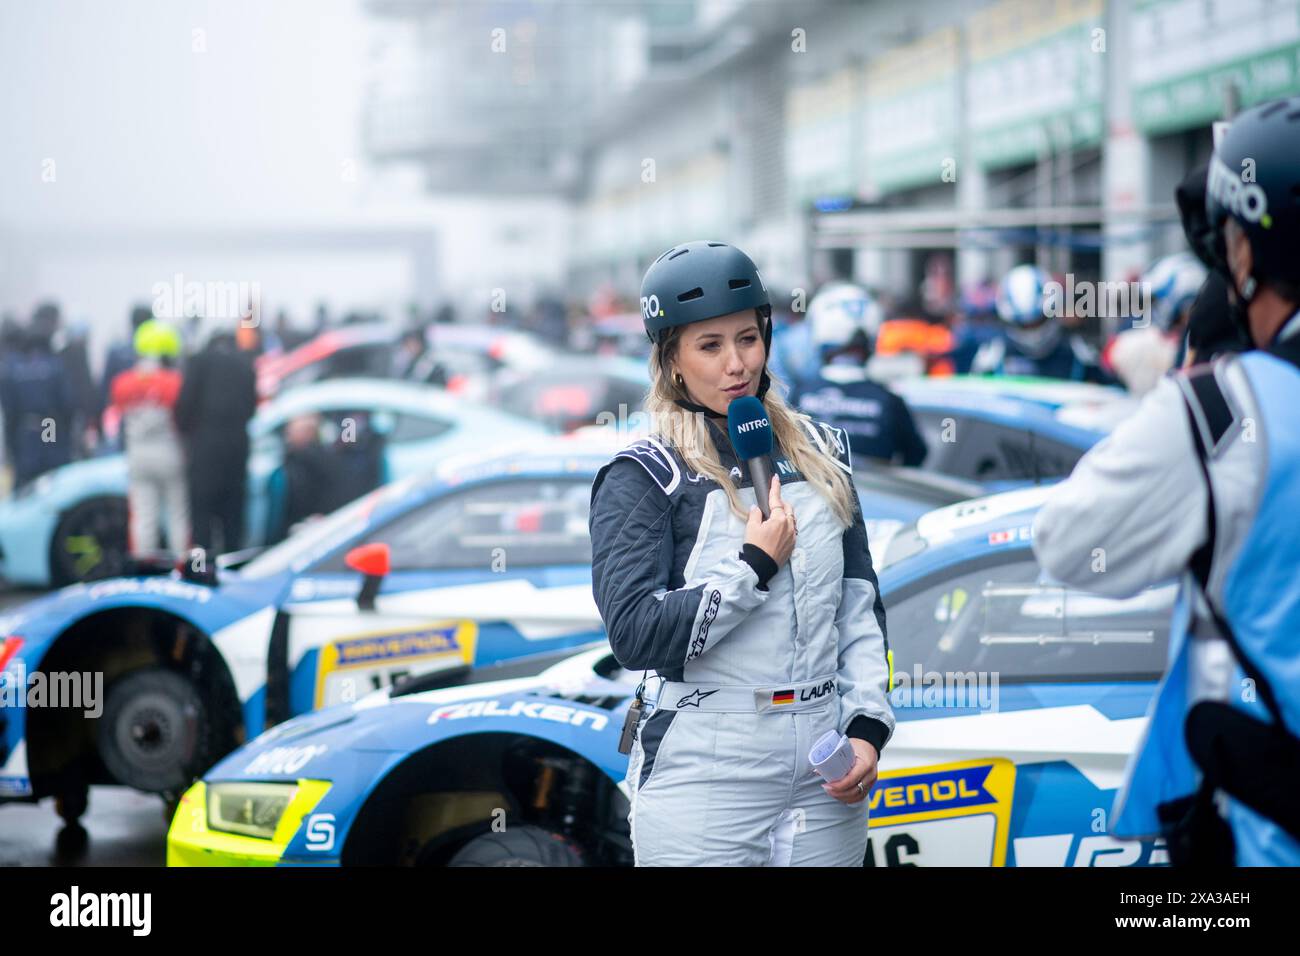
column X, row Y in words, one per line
column 123, row 827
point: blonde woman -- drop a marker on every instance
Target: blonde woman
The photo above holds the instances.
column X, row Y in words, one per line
column 762, row 634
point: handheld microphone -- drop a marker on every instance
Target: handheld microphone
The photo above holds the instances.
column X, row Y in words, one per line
column 751, row 437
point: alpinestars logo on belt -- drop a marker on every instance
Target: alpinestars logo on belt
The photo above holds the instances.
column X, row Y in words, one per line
column 697, row 645
column 694, row 697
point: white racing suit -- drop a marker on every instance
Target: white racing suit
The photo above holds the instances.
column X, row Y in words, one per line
column 1140, row 499
column 156, row 479
column 750, row 669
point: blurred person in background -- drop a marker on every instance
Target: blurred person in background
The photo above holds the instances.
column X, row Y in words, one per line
column 910, row 343
column 550, row 320
column 289, row 335
column 38, row 402
column 121, row 354
column 303, row 484
column 843, row 320
column 11, row 344
column 410, row 347
column 428, row 367
column 87, row 407
column 145, row 398
column 359, row 458
column 1140, row 354
column 794, row 359
column 218, row 397
column 975, row 325
column 1033, row 342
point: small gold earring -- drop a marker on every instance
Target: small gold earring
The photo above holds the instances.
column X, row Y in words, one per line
column 678, row 380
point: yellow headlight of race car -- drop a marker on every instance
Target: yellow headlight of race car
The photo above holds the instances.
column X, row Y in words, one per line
column 250, row 809
column 240, row 824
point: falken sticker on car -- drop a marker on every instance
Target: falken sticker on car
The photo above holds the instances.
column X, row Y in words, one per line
column 535, row 709
column 956, row 814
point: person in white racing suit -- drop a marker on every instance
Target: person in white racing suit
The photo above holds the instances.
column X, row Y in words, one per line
column 762, row 634
column 146, row 395
column 1202, row 482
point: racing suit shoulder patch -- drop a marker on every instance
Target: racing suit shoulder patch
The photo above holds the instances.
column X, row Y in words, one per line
column 832, row 441
column 1213, row 410
column 657, row 460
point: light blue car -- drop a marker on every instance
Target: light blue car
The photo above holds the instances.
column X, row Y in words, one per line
column 70, row 524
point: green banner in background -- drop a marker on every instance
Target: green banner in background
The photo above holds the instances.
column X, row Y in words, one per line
column 1186, row 55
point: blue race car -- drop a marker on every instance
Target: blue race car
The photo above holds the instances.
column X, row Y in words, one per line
column 1018, row 702
column 484, row 561
column 70, row 524
column 1007, row 431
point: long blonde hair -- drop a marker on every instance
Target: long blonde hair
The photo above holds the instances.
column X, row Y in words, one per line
column 688, row 432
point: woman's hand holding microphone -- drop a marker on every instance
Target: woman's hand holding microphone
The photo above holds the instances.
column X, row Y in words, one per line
column 775, row 535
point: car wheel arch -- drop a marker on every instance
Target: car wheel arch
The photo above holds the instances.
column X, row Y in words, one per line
column 142, row 637
column 502, row 758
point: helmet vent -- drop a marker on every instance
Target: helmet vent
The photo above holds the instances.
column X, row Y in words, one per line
column 695, row 293
column 679, row 252
column 735, row 284
column 1272, row 108
column 1293, row 115
column 716, row 245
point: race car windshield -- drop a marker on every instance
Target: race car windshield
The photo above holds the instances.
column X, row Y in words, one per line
column 323, row 535
column 1003, row 616
column 905, row 544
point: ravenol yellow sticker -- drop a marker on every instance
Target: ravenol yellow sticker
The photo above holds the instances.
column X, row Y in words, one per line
column 384, row 655
column 970, row 788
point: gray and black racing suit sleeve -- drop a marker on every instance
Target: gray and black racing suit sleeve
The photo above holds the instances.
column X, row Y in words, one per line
column 864, row 664
column 651, row 627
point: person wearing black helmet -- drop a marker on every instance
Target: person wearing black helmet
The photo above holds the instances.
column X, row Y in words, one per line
column 762, row 634
column 1203, row 482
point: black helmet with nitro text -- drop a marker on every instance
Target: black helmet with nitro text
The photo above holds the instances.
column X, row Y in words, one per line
column 700, row 280
column 1254, row 177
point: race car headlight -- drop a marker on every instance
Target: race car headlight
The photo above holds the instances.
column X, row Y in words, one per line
column 251, row 809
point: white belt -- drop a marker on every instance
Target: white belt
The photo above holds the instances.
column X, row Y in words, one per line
column 732, row 699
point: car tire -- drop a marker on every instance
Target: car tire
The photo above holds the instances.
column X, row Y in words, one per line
column 519, row 846
column 155, row 734
column 90, row 542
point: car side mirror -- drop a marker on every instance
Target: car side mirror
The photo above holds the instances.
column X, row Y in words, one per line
column 373, row 562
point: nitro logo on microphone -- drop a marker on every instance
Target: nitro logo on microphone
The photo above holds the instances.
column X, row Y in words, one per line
column 752, row 426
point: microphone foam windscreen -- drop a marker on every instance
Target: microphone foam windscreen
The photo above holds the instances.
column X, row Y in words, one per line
column 750, row 431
